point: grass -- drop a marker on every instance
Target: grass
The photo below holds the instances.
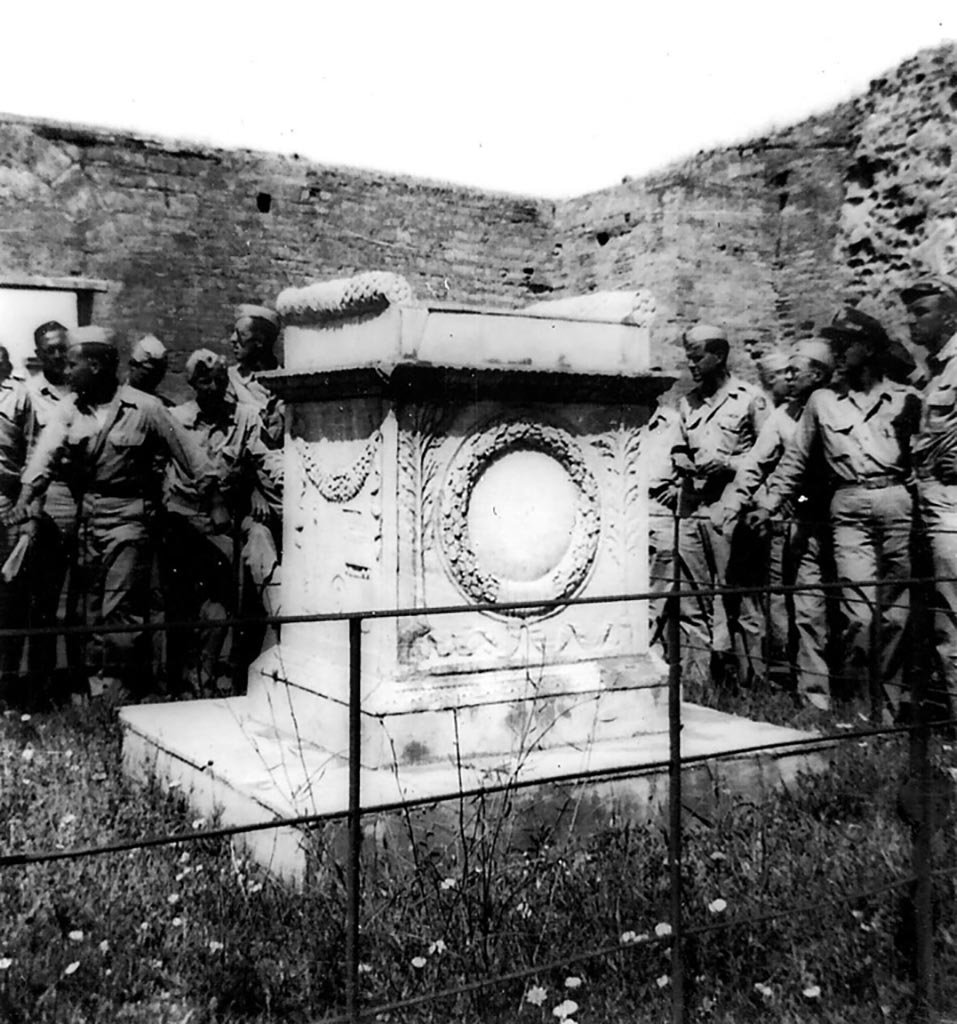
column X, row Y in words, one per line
column 193, row 933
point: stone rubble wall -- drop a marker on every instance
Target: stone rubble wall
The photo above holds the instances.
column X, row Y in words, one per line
column 766, row 237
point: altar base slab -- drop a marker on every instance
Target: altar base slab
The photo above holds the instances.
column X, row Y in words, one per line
column 240, row 771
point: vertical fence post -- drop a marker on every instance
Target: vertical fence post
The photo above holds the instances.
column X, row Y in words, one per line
column 354, row 837
column 674, row 784
column 923, row 830
column 876, row 695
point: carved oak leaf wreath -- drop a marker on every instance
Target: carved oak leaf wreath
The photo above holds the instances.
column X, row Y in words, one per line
column 475, row 455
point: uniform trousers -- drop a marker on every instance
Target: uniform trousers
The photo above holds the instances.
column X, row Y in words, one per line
column 938, row 508
column 11, row 601
column 113, row 576
column 871, row 531
column 806, row 559
column 53, row 590
column 705, row 553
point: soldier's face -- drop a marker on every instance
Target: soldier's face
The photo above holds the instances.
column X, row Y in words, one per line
column 52, row 354
column 802, row 377
column 702, row 364
column 931, row 321
column 83, row 374
column 148, row 374
column 245, row 339
column 210, row 387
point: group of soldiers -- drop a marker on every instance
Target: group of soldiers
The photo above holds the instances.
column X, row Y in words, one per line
column 118, row 507
column 812, row 502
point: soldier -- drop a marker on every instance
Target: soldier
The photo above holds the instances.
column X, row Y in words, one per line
column 863, row 430
column 198, row 574
column 798, row 625
column 53, row 551
column 148, row 365
column 932, row 310
column 109, row 435
column 773, row 375
column 15, row 427
column 254, row 336
column 720, row 419
column 658, row 438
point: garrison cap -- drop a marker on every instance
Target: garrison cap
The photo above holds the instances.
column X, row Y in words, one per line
column 91, row 338
column 149, row 349
column 817, row 350
column 851, row 324
column 203, row 360
column 258, row 313
column 704, row 332
column 773, row 362
column 931, row 284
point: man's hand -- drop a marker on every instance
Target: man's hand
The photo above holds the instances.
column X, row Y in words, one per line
column 724, row 518
column 758, row 520
column 28, row 529
column 712, row 464
column 259, row 508
column 20, row 513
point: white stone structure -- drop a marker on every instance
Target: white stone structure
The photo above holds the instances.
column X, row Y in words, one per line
column 441, row 456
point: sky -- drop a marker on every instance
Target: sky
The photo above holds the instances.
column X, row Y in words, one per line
column 548, row 99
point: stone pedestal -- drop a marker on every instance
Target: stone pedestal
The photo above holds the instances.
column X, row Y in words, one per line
column 436, row 457
column 446, row 456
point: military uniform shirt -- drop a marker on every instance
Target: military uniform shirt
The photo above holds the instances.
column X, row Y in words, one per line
column 16, row 417
column 45, row 398
column 125, row 466
column 724, row 425
column 230, row 444
column 760, row 462
column 937, row 436
column 861, row 436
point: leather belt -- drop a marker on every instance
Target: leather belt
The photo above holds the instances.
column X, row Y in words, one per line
column 872, row 483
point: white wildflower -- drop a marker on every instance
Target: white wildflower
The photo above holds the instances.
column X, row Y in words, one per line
column 5, row 963
column 72, row 968
column 447, row 883
column 573, row 982
column 104, row 946
column 663, row 981
column 536, row 995
column 763, row 989
column 437, row 947
column 27, row 754
column 564, row 1009
column 812, row 992
column 718, row 906
column 25, row 718
column 662, row 929
column 215, row 946
column 418, row 962
column 75, row 936
column 177, row 922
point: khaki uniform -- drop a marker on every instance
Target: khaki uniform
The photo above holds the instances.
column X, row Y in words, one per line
column 52, row 592
column 658, row 438
column 934, row 445
column 111, row 455
column 15, row 427
column 798, row 622
column 865, row 442
column 724, row 425
column 199, row 571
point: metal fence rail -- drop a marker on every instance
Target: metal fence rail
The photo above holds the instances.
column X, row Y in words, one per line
column 919, row 732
